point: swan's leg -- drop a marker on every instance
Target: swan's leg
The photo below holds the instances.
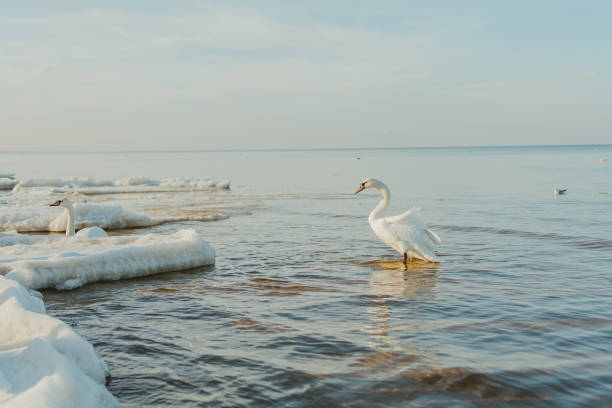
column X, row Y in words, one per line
column 405, row 258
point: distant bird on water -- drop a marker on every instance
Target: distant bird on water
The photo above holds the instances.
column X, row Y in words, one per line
column 560, row 191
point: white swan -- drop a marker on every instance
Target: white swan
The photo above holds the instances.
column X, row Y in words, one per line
column 405, row 233
column 89, row 232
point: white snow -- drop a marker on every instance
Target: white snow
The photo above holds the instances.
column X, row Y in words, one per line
column 72, row 181
column 190, row 182
column 135, row 181
column 88, row 185
column 43, row 362
column 69, row 262
column 45, row 218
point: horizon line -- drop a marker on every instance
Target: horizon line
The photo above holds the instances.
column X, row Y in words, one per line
column 305, row 149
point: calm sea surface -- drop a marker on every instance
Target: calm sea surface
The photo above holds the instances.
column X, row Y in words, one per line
column 306, row 308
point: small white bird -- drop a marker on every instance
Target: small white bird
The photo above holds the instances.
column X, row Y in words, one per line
column 89, row 232
column 405, row 233
column 560, row 191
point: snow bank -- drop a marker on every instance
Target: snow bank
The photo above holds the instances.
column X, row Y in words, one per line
column 72, row 181
column 45, row 218
column 70, row 262
column 43, row 362
column 143, row 183
column 136, row 181
column 190, row 182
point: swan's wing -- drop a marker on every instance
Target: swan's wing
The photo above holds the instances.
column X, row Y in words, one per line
column 411, row 216
column 418, row 244
column 405, row 237
column 409, row 225
column 407, row 233
column 413, row 235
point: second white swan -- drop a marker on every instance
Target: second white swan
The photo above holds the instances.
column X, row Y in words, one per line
column 405, row 233
column 89, row 232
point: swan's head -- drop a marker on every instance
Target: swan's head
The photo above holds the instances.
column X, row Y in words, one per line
column 62, row 203
column 368, row 183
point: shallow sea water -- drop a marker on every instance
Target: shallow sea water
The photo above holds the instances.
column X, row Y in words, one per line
column 305, row 307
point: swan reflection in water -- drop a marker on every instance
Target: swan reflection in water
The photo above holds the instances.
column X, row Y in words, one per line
column 397, row 280
column 392, row 318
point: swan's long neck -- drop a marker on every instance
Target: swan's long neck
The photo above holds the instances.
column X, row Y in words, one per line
column 70, row 227
column 384, row 203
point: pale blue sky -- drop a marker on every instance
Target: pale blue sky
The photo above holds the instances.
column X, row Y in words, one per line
column 83, row 75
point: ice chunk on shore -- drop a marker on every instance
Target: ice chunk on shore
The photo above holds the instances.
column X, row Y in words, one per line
column 69, row 262
column 44, row 218
column 43, row 362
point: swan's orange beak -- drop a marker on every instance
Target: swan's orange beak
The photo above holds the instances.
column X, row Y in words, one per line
column 55, row 204
column 361, row 188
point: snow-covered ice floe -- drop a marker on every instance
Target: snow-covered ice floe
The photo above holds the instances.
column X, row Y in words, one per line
column 90, row 185
column 70, row 262
column 45, row 218
column 43, row 362
column 37, row 218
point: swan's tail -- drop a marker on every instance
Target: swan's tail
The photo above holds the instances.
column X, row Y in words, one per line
column 433, row 237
